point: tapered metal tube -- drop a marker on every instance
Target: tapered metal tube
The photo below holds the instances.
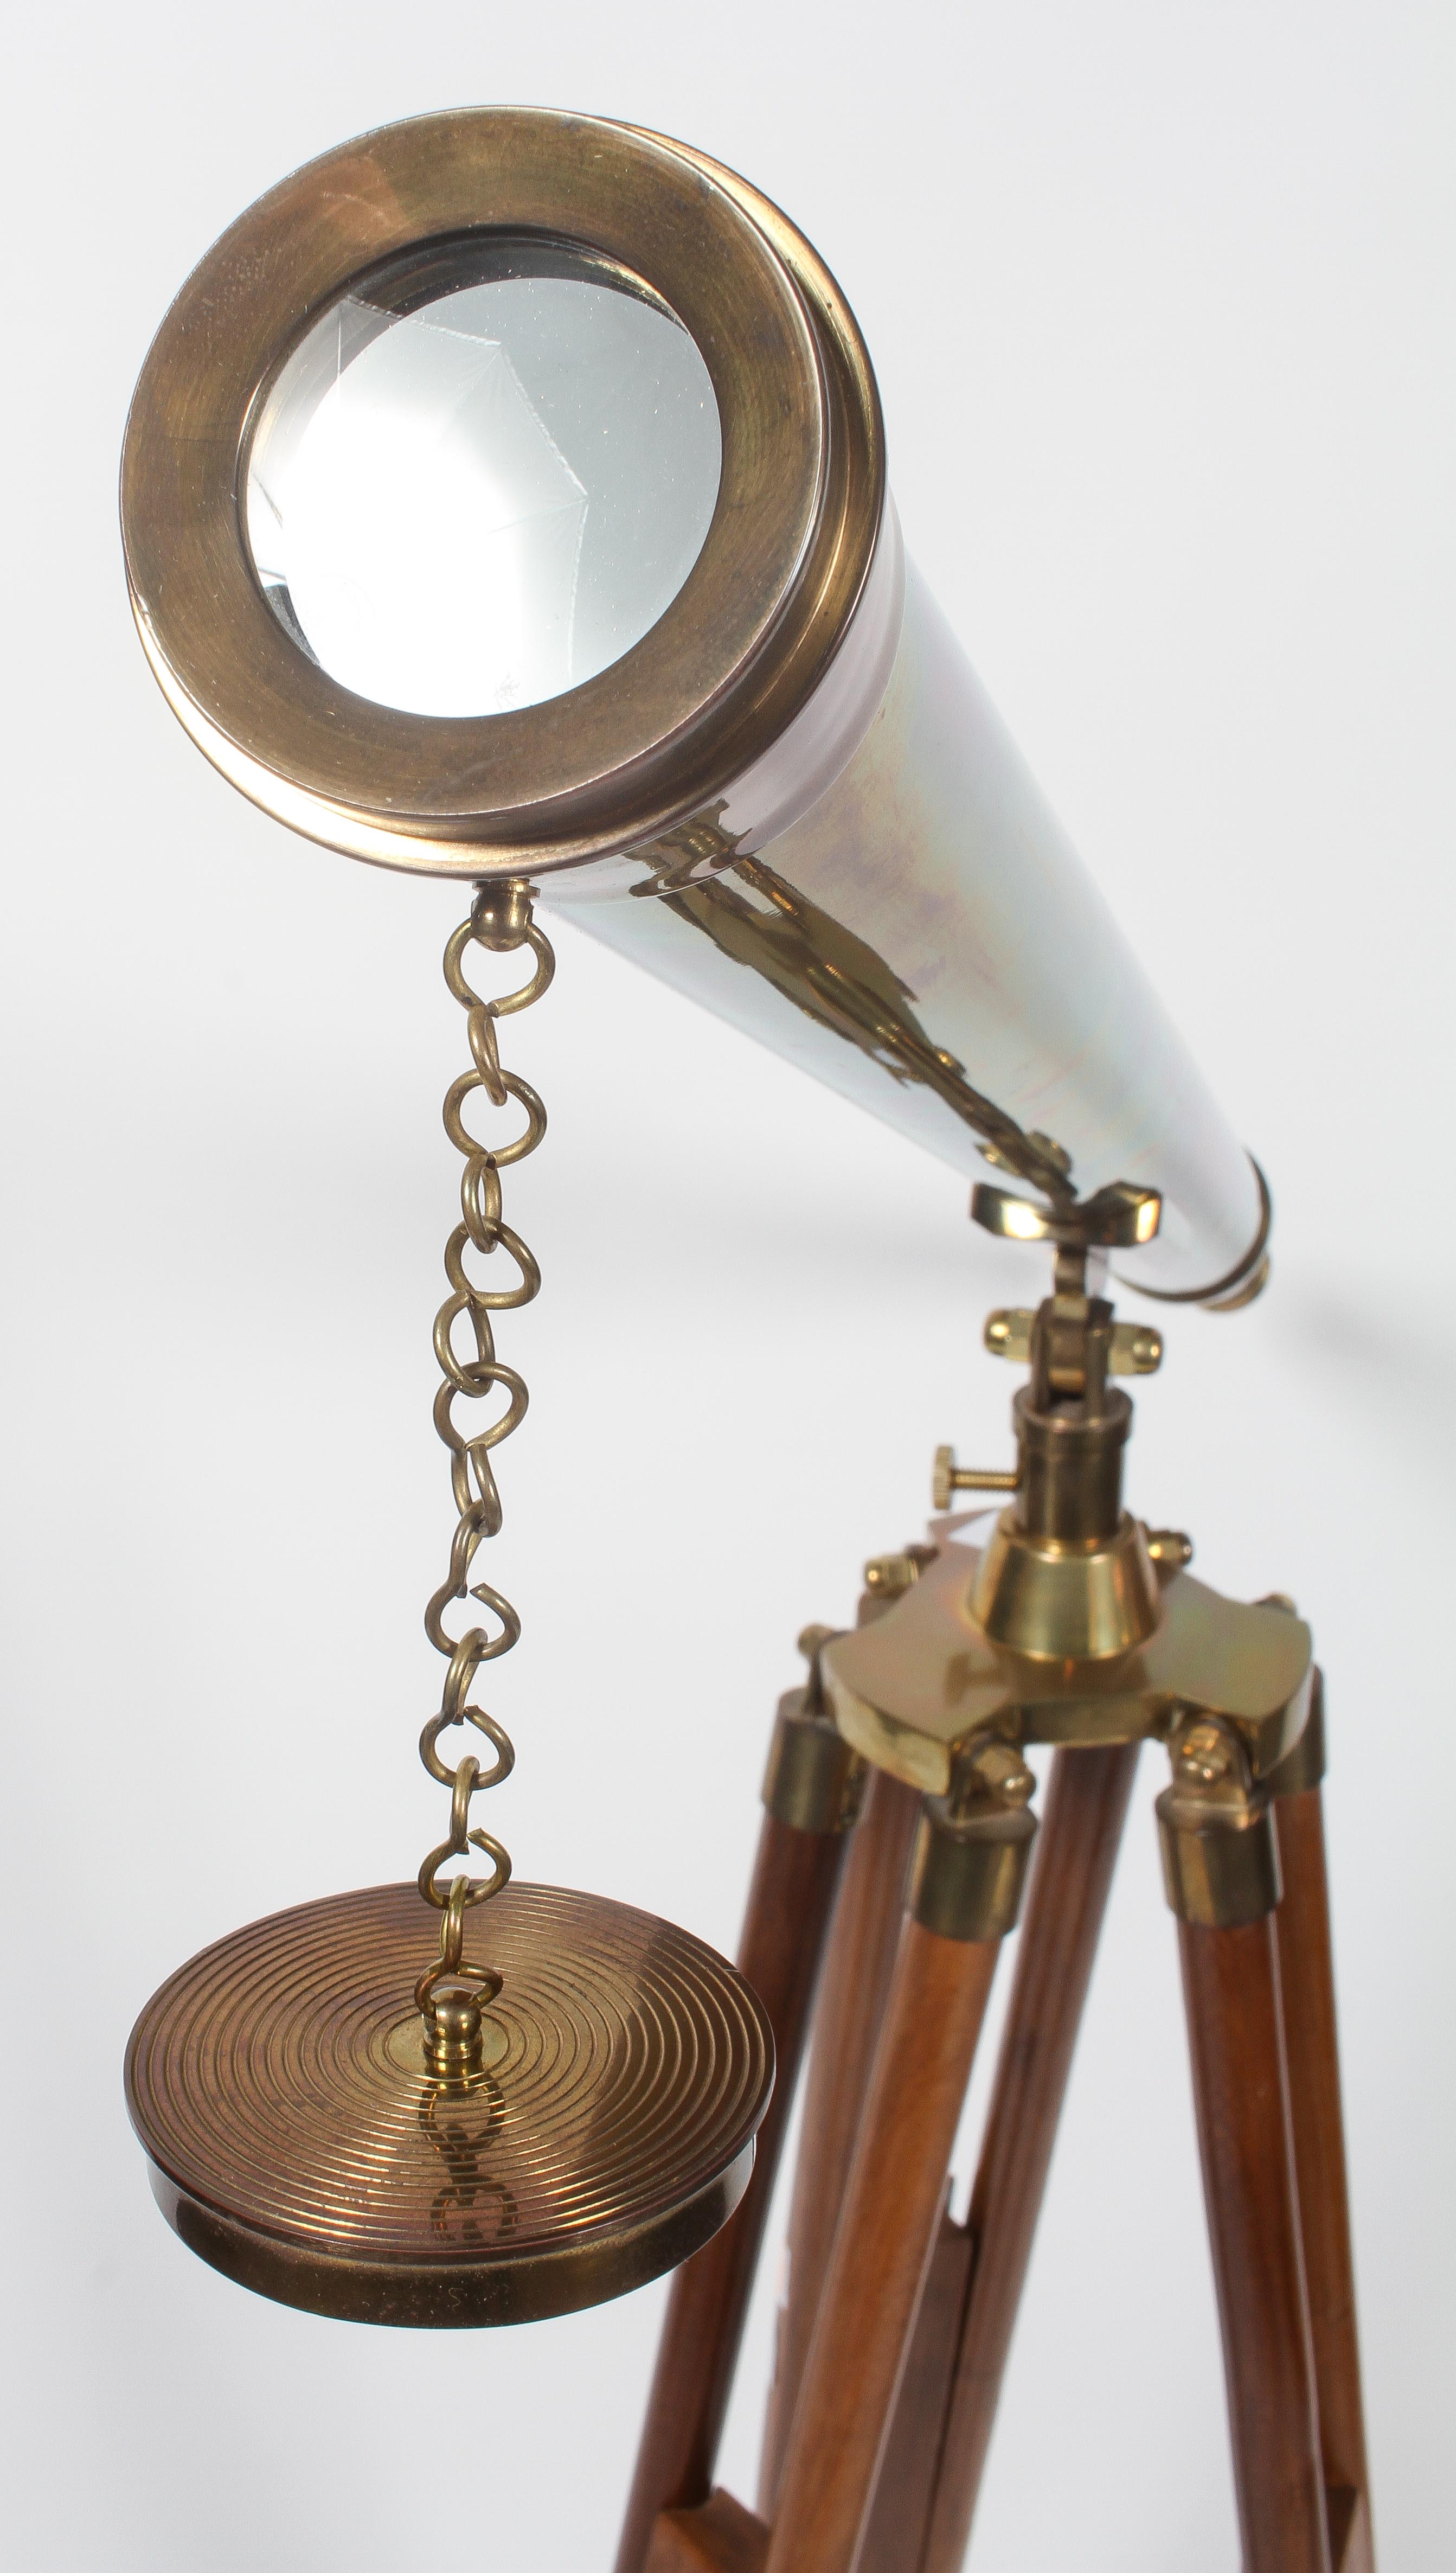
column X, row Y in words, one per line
column 733, row 733
column 925, row 940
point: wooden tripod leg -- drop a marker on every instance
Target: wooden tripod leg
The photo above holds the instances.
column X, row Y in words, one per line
column 789, row 1907
column 1306, row 1979
column 1241, row 2102
column 1082, row 1829
column 933, row 2020
column 851, row 2005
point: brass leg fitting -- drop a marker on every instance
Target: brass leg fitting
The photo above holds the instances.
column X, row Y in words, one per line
column 1220, row 1855
column 813, row 1781
column 969, row 1864
column 1303, row 1767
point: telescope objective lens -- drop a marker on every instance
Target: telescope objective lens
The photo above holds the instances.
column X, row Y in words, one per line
column 482, row 500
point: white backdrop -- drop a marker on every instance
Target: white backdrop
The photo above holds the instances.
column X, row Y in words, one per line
column 1160, row 299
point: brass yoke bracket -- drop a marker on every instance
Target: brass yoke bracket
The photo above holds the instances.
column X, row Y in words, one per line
column 1072, row 1623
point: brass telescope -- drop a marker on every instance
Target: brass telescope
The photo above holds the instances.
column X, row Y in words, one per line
column 504, row 497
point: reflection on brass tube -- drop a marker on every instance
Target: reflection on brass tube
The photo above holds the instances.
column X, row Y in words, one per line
column 786, row 754
column 840, row 982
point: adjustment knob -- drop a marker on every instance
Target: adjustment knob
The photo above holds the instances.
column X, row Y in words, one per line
column 948, row 1477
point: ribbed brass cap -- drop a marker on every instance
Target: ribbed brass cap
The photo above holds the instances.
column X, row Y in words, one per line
column 298, row 2141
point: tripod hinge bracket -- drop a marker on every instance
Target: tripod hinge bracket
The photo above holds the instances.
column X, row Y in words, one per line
column 968, row 1870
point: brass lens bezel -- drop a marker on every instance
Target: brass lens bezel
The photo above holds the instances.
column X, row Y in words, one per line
column 715, row 682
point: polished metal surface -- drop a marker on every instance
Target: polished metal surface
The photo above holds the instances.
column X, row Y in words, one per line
column 737, row 654
column 1137, row 1349
column 1066, row 1599
column 1070, row 1622
column 967, row 1871
column 924, row 939
column 812, row 1779
column 790, row 797
column 925, row 1679
column 1220, row 1860
column 298, row 2141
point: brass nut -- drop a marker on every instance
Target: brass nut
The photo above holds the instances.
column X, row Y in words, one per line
column 1008, row 1334
column 888, row 1576
column 998, row 1770
column 1169, row 1548
column 1205, row 1754
column 1135, row 1349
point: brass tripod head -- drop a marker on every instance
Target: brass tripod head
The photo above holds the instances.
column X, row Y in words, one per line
column 1072, row 1622
column 1069, row 1572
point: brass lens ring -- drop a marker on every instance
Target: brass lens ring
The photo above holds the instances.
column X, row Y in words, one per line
column 740, row 650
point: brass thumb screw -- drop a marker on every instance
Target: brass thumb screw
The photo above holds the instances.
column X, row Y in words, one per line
column 949, row 1477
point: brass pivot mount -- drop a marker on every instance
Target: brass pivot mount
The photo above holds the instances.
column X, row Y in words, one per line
column 1074, row 1623
column 1073, row 1344
column 1071, row 1422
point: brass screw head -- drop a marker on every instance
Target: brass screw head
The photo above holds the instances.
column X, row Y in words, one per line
column 888, row 1576
column 1137, row 1349
column 1170, row 1547
column 1001, row 1767
column 1207, row 1754
column 1008, row 1332
column 812, row 1639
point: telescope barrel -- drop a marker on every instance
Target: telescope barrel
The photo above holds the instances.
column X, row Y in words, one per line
column 926, row 941
column 505, row 495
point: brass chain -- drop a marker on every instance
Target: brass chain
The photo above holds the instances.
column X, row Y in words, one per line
column 500, row 920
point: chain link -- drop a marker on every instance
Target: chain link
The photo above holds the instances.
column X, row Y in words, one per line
column 501, row 921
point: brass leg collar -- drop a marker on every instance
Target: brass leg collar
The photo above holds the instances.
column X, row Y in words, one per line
column 1220, row 1866
column 813, row 1780
column 1303, row 1765
column 967, row 1871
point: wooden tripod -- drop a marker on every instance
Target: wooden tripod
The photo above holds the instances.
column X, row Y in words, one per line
column 894, row 2331
column 886, row 1928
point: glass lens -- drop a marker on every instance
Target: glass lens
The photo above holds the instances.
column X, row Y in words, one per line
column 484, row 501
